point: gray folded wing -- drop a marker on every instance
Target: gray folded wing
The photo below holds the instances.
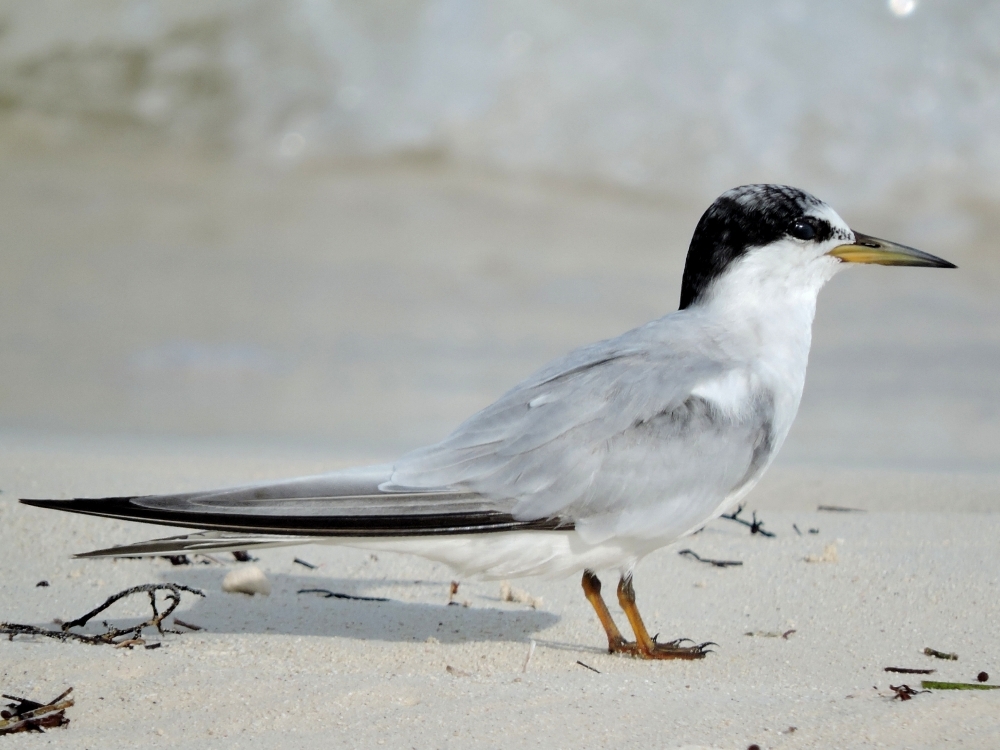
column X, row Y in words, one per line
column 611, row 437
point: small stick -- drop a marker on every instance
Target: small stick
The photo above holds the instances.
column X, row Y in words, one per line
column 23, row 706
column 769, row 634
column 305, row 564
column 156, row 614
column 934, row 685
column 940, row 654
column 130, row 643
column 840, row 509
column 716, row 563
column 188, row 625
column 899, row 670
column 25, row 701
column 327, row 594
column 587, row 666
column 175, row 590
column 527, row 660
column 756, row 527
column 11, row 629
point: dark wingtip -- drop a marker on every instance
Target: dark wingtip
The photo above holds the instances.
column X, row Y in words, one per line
column 74, row 504
column 465, row 522
column 108, row 552
column 43, row 503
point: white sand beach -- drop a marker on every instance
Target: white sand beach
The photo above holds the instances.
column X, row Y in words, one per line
column 298, row 670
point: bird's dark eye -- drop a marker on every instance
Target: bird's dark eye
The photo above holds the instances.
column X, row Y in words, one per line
column 802, row 230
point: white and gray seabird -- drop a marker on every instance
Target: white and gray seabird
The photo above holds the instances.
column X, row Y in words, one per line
column 602, row 456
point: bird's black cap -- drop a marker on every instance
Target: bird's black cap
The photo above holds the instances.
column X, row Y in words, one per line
column 740, row 219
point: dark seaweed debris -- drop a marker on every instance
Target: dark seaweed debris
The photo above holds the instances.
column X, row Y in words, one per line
column 26, row 715
column 125, row 637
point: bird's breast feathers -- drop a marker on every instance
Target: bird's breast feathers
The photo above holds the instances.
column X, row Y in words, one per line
column 730, row 393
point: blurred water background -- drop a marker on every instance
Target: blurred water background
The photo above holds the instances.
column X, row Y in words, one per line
column 349, row 224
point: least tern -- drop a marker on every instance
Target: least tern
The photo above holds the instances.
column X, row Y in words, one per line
column 599, row 458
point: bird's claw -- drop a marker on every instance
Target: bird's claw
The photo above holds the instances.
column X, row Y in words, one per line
column 670, row 650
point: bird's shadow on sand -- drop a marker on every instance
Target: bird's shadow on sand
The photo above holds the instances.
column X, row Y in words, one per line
column 287, row 612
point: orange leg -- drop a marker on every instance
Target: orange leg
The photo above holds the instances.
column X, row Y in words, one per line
column 647, row 646
column 644, row 646
column 592, row 590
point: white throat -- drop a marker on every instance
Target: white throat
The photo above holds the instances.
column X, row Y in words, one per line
column 770, row 293
column 761, row 310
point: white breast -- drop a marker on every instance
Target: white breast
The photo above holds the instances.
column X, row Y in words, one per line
column 731, row 393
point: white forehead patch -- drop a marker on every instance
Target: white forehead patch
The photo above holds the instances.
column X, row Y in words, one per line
column 840, row 229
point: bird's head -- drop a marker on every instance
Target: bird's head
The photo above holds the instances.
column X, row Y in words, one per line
column 767, row 239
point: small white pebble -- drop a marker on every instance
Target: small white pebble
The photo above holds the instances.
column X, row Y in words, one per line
column 246, row 580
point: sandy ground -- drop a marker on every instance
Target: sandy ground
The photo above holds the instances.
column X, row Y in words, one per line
column 295, row 670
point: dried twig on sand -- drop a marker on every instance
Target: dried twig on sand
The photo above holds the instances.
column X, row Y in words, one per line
column 839, row 509
column 940, row 654
column 756, row 527
column 28, row 716
column 716, row 563
column 115, row 636
column 907, row 670
column 327, row 594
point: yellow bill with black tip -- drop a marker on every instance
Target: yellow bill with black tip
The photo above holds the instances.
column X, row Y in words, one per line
column 866, row 249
